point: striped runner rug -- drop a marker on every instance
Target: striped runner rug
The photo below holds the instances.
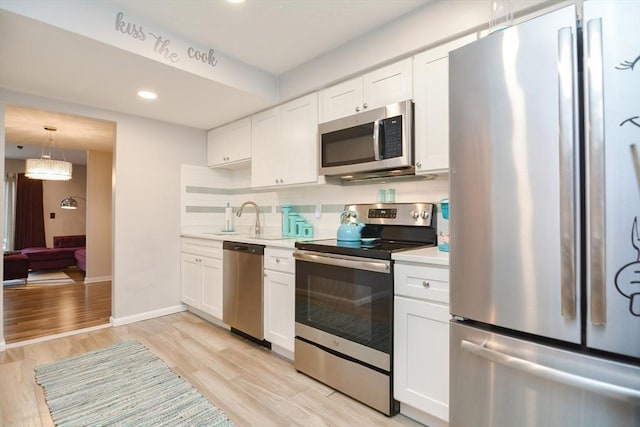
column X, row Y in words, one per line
column 124, row 385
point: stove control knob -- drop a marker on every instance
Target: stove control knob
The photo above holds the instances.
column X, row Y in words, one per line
column 414, row 215
column 424, row 215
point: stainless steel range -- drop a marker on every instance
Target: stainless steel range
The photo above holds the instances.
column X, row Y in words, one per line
column 344, row 301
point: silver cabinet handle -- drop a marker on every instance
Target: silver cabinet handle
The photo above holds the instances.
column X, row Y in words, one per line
column 418, row 165
column 566, row 103
column 425, row 284
column 277, row 260
column 595, row 172
column 584, row 383
column 357, row 263
column 357, row 109
column 365, row 106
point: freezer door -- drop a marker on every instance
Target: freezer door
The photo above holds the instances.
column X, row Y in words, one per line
column 513, row 203
column 612, row 112
column 498, row 381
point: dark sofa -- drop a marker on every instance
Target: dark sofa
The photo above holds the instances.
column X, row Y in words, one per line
column 62, row 254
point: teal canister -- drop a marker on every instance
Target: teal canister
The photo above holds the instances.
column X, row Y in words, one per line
column 293, row 217
column 300, row 223
column 307, row 230
column 286, row 211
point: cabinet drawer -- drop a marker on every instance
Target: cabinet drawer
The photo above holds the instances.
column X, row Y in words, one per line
column 423, row 282
column 279, row 259
column 202, row 247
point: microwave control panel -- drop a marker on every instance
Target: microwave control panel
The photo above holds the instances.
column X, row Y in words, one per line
column 391, row 138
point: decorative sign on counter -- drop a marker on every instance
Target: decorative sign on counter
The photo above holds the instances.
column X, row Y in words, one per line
column 162, row 45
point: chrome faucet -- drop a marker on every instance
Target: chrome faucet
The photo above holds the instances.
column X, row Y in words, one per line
column 257, row 226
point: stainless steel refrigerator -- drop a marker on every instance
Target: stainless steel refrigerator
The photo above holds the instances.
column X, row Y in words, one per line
column 544, row 207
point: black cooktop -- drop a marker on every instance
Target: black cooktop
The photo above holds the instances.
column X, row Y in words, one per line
column 377, row 249
column 389, row 227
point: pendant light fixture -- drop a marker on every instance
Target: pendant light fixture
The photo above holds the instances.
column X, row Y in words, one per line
column 45, row 167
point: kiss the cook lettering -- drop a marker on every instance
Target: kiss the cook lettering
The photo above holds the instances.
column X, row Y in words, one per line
column 127, row 28
column 162, row 46
column 207, row 58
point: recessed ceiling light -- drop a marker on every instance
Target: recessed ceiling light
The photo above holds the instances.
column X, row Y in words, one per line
column 235, row 1
column 147, row 94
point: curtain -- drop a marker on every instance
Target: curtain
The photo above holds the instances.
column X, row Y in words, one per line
column 9, row 211
column 29, row 213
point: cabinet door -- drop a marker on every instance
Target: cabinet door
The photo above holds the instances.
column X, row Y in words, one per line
column 216, row 147
column 191, row 280
column 211, row 271
column 431, row 97
column 341, row 100
column 299, row 134
column 238, row 140
column 229, row 144
column 421, row 355
column 266, row 148
column 387, row 85
column 279, row 302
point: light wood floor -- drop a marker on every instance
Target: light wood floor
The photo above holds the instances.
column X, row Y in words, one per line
column 254, row 386
column 33, row 311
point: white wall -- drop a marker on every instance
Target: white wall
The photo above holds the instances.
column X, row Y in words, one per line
column 146, row 213
column 437, row 22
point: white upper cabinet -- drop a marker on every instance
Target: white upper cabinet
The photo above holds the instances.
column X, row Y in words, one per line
column 378, row 88
column 229, row 145
column 265, row 147
column 431, row 97
column 285, row 144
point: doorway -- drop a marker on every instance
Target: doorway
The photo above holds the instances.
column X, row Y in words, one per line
column 37, row 307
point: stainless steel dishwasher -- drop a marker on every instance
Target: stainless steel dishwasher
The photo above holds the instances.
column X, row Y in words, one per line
column 243, row 289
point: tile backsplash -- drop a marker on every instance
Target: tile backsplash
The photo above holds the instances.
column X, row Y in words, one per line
column 206, row 192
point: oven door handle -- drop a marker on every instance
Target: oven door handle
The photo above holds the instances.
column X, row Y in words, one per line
column 357, row 263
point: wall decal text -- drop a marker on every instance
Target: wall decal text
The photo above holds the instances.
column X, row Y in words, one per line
column 161, row 45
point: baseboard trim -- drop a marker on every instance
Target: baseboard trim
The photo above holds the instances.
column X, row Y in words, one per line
column 421, row 416
column 120, row 321
column 3, row 346
column 52, row 337
column 97, row 279
column 209, row 318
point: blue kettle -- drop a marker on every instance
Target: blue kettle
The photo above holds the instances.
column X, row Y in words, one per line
column 350, row 228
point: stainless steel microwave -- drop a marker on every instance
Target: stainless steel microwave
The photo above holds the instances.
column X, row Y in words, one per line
column 377, row 142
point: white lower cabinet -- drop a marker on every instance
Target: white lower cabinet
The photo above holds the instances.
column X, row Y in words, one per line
column 421, row 342
column 201, row 275
column 279, row 298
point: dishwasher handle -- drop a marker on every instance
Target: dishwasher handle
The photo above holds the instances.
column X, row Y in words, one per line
column 249, row 248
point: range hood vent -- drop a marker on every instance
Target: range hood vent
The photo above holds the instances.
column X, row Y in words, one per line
column 408, row 173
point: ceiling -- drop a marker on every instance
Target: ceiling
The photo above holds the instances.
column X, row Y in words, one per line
column 275, row 36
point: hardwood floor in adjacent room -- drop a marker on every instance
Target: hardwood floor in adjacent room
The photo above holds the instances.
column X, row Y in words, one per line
column 252, row 385
column 34, row 311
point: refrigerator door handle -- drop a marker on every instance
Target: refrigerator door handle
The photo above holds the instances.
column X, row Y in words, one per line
column 583, row 383
column 595, row 172
column 566, row 122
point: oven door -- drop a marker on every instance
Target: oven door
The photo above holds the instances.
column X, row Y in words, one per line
column 345, row 305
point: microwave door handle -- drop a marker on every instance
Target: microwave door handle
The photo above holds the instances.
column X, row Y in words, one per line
column 376, row 140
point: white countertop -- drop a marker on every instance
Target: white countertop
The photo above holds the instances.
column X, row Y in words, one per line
column 269, row 240
column 424, row 256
